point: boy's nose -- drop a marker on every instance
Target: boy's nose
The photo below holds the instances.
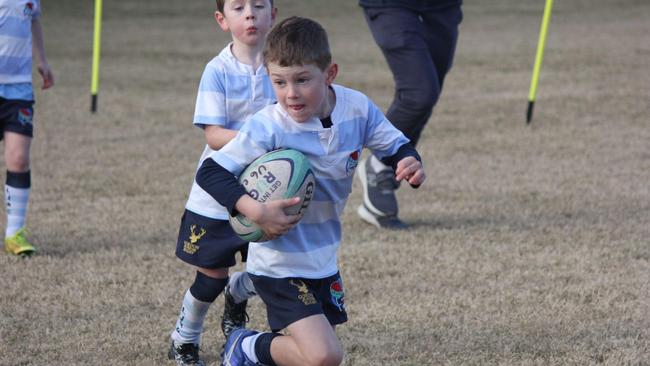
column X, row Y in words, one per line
column 250, row 12
column 292, row 93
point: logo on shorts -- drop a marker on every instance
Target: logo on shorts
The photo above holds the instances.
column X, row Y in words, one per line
column 353, row 161
column 338, row 296
column 305, row 296
column 191, row 247
column 29, row 9
column 25, row 116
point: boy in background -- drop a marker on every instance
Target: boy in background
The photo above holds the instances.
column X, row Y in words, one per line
column 21, row 40
column 296, row 273
column 233, row 86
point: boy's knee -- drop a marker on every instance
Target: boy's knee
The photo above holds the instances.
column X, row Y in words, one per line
column 330, row 357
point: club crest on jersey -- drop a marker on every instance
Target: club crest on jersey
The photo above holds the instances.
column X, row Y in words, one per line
column 25, row 116
column 29, row 9
column 353, row 161
column 190, row 247
column 338, row 295
column 304, row 295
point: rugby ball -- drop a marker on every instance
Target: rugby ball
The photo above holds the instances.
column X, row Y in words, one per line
column 278, row 174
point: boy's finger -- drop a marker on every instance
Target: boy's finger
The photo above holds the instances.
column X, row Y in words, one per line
column 403, row 174
column 289, row 201
column 293, row 219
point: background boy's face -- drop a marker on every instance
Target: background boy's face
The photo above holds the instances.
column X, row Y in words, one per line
column 302, row 90
column 247, row 20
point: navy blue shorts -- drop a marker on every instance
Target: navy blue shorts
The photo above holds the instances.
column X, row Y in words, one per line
column 208, row 243
column 17, row 116
column 288, row 300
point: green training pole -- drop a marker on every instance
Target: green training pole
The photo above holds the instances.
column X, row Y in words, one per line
column 538, row 60
column 94, row 86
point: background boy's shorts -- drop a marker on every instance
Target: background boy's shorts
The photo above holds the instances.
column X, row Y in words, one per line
column 16, row 116
column 208, row 243
column 288, row 300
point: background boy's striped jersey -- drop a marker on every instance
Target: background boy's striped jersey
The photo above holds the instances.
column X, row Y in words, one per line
column 229, row 93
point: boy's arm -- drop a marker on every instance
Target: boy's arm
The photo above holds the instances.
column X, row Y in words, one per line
column 407, row 164
column 224, row 187
column 39, row 52
column 393, row 148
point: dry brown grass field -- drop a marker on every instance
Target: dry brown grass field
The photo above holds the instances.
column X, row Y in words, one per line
column 529, row 244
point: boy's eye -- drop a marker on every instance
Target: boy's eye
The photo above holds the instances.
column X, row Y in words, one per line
column 302, row 80
column 278, row 82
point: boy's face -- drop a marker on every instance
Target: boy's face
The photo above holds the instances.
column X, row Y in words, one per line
column 247, row 20
column 302, row 90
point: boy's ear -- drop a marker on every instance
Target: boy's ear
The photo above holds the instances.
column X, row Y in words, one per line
column 274, row 13
column 221, row 20
column 331, row 72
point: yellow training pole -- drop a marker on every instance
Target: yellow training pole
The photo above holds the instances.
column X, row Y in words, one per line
column 96, row 47
column 538, row 59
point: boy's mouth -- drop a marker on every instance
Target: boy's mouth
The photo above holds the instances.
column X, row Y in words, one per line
column 251, row 29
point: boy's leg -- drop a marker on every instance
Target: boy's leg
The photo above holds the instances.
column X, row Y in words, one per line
column 210, row 246
column 239, row 289
column 311, row 341
column 308, row 308
column 196, row 302
column 186, row 336
column 17, row 136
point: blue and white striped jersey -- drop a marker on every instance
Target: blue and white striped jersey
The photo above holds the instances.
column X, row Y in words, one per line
column 229, row 93
column 16, row 47
column 309, row 249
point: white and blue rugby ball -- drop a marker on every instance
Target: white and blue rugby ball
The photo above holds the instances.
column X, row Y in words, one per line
column 278, row 174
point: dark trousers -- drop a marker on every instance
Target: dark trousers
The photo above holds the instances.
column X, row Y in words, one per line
column 419, row 48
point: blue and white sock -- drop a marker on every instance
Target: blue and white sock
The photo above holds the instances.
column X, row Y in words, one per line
column 241, row 287
column 17, row 188
column 248, row 346
column 190, row 320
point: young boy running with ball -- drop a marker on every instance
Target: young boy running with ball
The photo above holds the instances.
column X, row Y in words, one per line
column 296, row 272
column 234, row 85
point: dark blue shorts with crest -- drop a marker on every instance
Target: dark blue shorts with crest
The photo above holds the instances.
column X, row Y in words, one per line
column 208, row 243
column 17, row 116
column 288, row 300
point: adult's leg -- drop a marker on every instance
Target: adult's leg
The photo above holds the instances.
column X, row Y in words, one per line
column 441, row 36
column 400, row 34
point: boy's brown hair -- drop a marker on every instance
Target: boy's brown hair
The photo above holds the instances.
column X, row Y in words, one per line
column 297, row 41
column 220, row 4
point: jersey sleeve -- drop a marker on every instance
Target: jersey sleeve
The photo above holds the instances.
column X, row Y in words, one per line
column 211, row 98
column 381, row 136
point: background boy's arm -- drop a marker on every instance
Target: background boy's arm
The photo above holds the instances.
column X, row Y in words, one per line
column 224, row 187
column 38, row 51
column 218, row 136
